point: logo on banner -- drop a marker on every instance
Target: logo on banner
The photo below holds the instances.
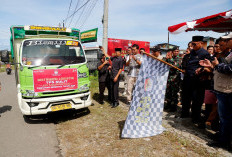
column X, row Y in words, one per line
column 148, row 85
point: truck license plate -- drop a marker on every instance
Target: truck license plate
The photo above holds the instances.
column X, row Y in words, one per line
column 61, row 107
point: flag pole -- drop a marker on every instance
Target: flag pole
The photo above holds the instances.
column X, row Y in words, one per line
column 164, row 62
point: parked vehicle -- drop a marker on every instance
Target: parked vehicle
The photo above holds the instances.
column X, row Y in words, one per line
column 50, row 69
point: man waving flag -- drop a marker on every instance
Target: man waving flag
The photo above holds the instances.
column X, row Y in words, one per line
column 145, row 115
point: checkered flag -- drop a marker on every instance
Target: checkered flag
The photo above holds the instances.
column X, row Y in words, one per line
column 145, row 116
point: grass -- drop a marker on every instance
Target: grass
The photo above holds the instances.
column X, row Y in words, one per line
column 98, row 134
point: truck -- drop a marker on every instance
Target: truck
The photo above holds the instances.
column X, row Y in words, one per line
column 50, row 68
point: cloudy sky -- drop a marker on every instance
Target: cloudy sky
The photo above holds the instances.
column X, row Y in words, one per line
column 145, row 20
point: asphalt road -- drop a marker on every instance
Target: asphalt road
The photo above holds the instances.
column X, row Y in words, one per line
column 20, row 136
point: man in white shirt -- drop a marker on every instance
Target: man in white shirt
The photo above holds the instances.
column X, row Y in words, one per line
column 134, row 62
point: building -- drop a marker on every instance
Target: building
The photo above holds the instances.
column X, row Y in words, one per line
column 164, row 48
column 93, row 55
column 208, row 41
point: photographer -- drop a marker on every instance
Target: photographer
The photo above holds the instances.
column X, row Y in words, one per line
column 103, row 77
column 116, row 69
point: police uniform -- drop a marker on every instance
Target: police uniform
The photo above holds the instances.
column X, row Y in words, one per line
column 117, row 64
column 193, row 86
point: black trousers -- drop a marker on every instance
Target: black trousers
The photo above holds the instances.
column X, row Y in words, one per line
column 114, row 90
column 102, row 86
column 193, row 96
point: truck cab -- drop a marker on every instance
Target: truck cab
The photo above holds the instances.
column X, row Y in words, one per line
column 50, row 69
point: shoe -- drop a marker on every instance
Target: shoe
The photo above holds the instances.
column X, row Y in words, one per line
column 172, row 110
column 115, row 105
column 214, row 137
column 111, row 104
column 220, row 145
column 101, row 102
column 201, row 125
column 184, row 115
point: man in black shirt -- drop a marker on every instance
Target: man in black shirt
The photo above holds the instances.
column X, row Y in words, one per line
column 117, row 66
column 193, row 86
column 103, row 78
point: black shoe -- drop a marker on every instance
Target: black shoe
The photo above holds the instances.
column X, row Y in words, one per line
column 184, row 115
column 214, row 137
column 220, row 145
column 111, row 104
column 101, row 102
column 201, row 125
column 115, row 105
column 172, row 110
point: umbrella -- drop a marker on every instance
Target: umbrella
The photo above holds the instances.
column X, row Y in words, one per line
column 221, row 22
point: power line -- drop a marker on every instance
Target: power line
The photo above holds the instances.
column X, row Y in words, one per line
column 86, row 11
column 69, row 8
column 91, row 9
column 80, row 16
column 77, row 10
column 74, row 11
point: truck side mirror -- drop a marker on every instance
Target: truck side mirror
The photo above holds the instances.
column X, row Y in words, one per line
column 5, row 57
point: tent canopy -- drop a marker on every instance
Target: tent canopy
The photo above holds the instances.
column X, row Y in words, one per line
column 221, row 22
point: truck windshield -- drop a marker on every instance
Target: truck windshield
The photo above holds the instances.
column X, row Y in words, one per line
column 52, row 52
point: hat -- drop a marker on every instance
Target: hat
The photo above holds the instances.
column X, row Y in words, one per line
column 155, row 48
column 175, row 48
column 197, row 38
column 102, row 55
column 118, row 49
column 228, row 36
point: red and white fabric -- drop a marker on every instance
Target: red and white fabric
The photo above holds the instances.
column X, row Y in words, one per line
column 221, row 22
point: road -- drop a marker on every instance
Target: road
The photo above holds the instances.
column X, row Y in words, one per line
column 20, row 136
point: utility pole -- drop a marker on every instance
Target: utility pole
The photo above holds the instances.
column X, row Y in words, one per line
column 105, row 25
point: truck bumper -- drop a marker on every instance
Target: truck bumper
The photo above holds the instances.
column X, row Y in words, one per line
column 43, row 105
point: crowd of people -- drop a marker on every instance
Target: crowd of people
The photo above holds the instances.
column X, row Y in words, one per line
column 206, row 81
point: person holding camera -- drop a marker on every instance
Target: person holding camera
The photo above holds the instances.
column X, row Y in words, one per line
column 103, row 77
column 116, row 69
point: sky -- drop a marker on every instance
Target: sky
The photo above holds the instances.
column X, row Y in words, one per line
column 145, row 20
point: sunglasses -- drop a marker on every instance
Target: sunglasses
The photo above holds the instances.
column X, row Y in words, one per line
column 194, row 44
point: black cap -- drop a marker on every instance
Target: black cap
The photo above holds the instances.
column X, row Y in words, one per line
column 197, row 38
column 175, row 48
column 102, row 55
column 118, row 49
column 155, row 49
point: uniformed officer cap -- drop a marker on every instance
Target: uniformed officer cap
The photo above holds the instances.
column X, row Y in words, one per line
column 197, row 38
column 118, row 49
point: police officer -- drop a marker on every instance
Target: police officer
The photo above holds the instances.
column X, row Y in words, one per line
column 193, row 86
column 117, row 66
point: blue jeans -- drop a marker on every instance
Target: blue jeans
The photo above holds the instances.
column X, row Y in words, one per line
column 225, row 115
